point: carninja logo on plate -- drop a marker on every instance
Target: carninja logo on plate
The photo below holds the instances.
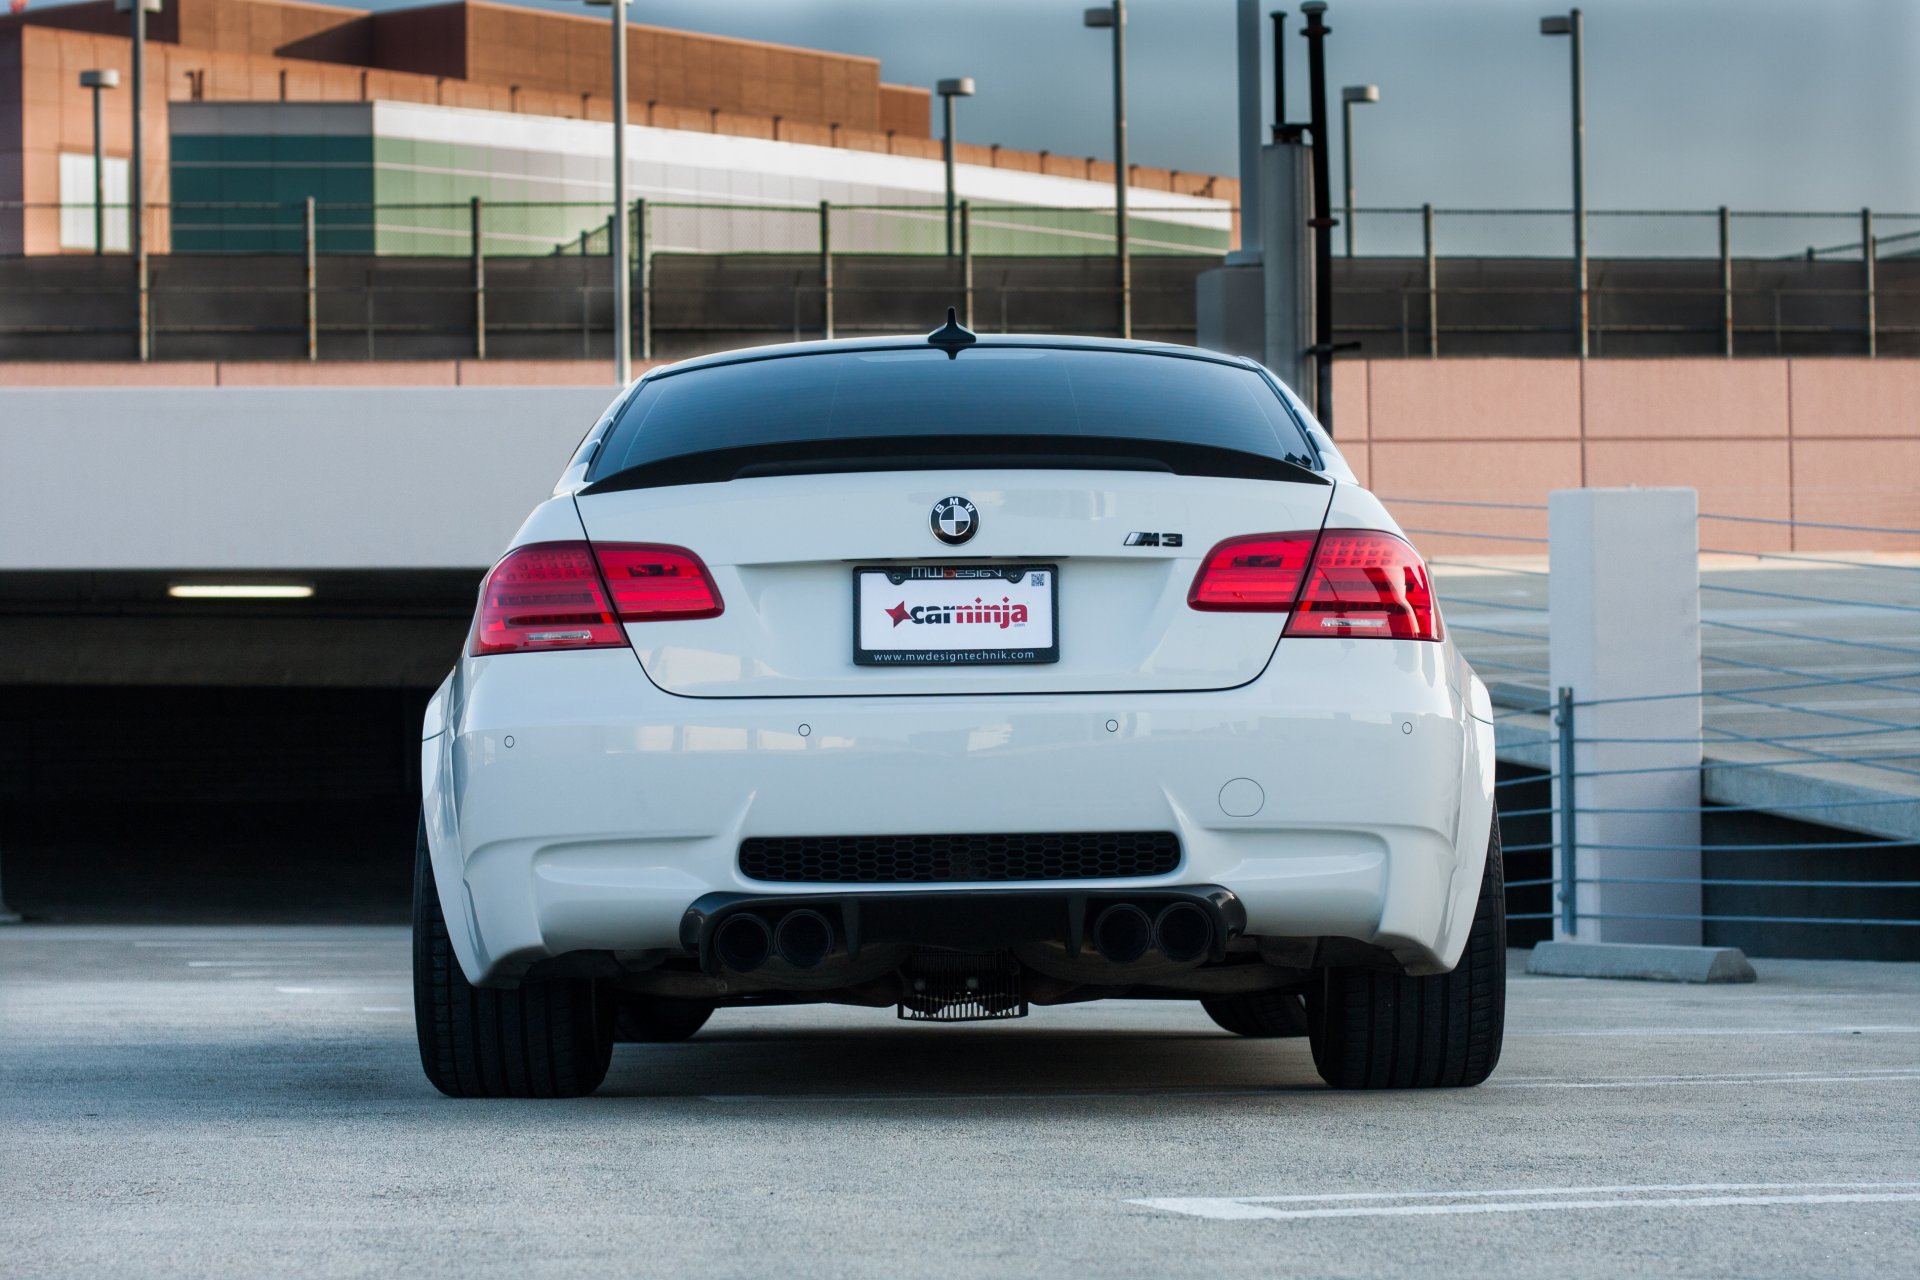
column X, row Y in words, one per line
column 955, row 520
column 979, row 613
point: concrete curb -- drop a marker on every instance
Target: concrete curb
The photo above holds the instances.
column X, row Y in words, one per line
column 1645, row 962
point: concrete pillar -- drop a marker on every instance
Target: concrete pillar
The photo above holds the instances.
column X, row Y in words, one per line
column 1625, row 598
column 1286, row 209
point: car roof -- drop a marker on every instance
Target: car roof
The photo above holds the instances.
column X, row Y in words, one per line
column 909, row 341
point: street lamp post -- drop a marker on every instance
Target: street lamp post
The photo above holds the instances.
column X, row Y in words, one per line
column 959, row 87
column 1569, row 24
column 96, row 81
column 1353, row 93
column 1115, row 16
column 618, row 229
column 136, row 166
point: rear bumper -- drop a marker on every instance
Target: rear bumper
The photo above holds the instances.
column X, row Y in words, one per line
column 571, row 806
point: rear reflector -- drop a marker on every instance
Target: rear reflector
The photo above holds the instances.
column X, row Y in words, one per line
column 554, row 595
column 1262, row 572
column 1366, row 583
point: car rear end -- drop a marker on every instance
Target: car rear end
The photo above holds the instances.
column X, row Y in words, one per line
column 1088, row 661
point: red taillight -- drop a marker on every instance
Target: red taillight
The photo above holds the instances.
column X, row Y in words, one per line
column 1262, row 572
column 554, row 595
column 651, row 584
column 1350, row 583
column 1366, row 583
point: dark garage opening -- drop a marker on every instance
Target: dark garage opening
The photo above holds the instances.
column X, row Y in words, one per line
column 207, row 804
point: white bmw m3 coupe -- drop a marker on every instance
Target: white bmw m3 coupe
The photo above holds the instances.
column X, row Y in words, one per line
column 954, row 676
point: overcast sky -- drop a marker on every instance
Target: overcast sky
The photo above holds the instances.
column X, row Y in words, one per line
column 1813, row 104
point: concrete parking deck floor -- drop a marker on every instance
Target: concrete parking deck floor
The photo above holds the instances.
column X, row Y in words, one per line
column 244, row 1101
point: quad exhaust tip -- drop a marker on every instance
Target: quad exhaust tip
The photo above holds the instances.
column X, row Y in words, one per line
column 742, row 942
column 1183, row 932
column 1124, row 933
column 803, row 938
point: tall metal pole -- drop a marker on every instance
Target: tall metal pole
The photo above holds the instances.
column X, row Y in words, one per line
column 1279, row 72
column 1726, row 284
column 477, row 247
column 312, row 276
column 1433, row 282
column 1346, row 167
column 99, row 182
column 1316, row 32
column 1122, row 250
column 622, row 256
column 1867, row 259
column 966, row 261
column 826, row 269
column 137, row 179
column 946, row 146
column 643, row 252
column 1580, row 181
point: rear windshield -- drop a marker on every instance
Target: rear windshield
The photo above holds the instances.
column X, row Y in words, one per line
column 989, row 390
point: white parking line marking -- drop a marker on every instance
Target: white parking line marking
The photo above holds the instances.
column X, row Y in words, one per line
column 1689, row 1032
column 384, row 1008
column 1756, row 1077
column 242, row 964
column 1706, row 1195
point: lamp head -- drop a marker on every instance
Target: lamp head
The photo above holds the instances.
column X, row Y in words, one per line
column 958, row 87
column 1360, row 93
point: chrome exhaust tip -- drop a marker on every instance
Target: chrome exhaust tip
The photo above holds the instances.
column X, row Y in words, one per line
column 742, row 942
column 803, row 938
column 1183, row 932
column 1122, row 933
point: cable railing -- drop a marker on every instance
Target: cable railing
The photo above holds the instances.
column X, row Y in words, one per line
column 1787, row 817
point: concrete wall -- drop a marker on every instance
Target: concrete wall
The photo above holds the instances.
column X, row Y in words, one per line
column 272, row 478
column 1830, row 440
column 438, row 474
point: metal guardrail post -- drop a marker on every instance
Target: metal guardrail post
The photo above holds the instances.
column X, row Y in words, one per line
column 1563, row 721
column 474, row 210
column 966, row 261
column 1726, row 283
column 1867, row 260
column 1433, row 282
column 826, row 270
column 643, row 244
column 312, row 279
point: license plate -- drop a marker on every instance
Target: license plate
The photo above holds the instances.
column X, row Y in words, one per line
column 934, row 615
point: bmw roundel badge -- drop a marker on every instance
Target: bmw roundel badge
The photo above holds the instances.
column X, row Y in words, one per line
column 954, row 520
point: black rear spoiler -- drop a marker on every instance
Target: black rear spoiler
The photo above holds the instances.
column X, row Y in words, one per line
column 954, row 453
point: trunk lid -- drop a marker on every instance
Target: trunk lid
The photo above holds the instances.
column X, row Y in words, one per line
column 783, row 551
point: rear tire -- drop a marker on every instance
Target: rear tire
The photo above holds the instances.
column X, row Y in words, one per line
column 543, row 1040
column 1374, row 1030
column 1263, row 1015
column 658, row 1019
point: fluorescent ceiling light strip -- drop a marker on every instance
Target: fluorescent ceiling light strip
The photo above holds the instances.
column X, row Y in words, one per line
column 239, row 591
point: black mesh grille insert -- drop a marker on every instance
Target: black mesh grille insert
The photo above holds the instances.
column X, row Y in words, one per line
column 1069, row 855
